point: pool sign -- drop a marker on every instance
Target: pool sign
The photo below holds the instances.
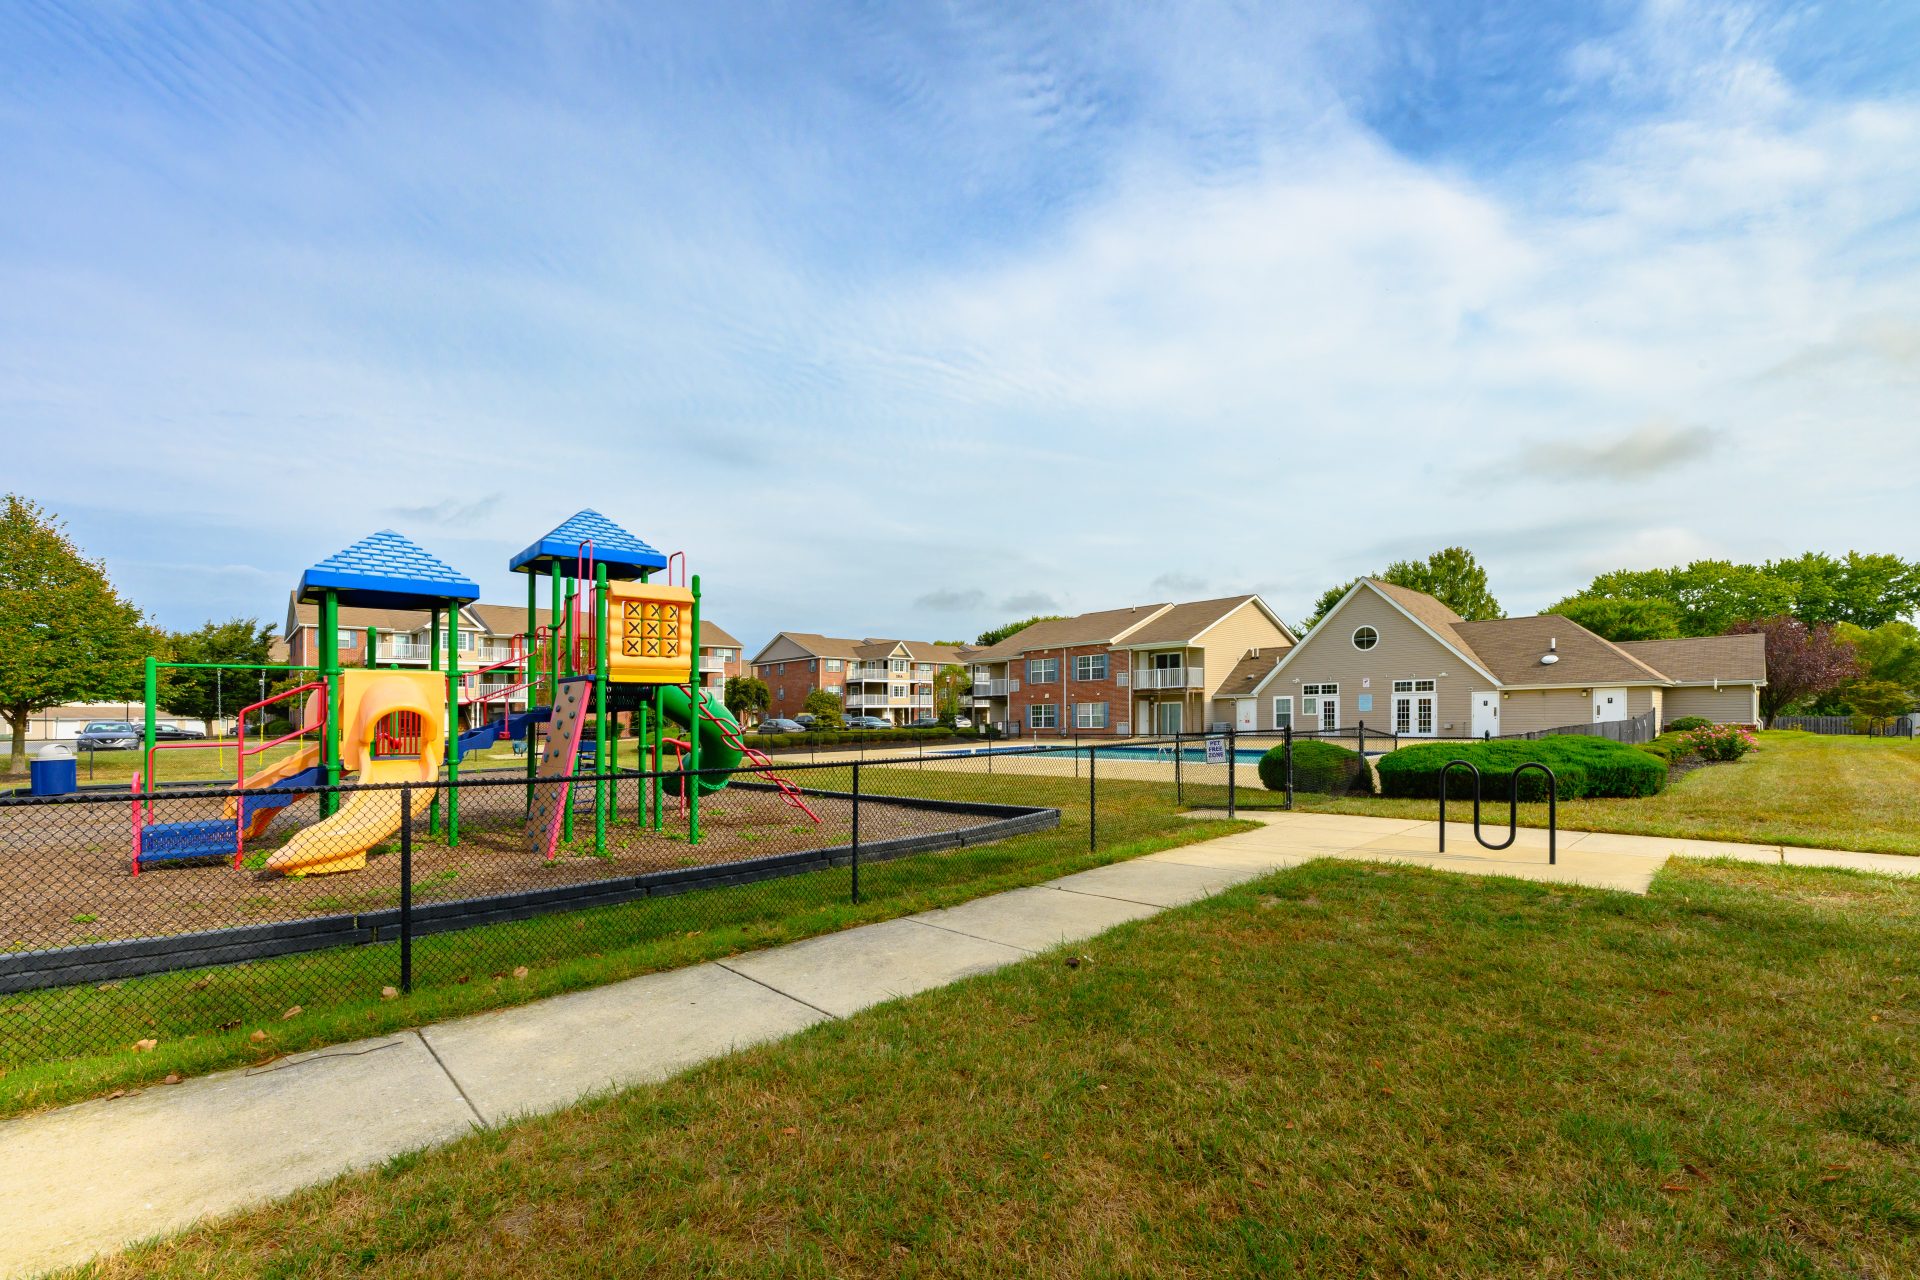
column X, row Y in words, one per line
column 1216, row 750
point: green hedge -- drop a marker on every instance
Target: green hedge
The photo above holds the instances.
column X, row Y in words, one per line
column 1582, row 766
column 1670, row 747
column 1319, row 768
column 1684, row 723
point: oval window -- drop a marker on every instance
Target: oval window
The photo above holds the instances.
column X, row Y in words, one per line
column 1365, row 638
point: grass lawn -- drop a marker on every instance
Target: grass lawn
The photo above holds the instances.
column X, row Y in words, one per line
column 1339, row 1070
column 205, row 1019
column 1799, row 789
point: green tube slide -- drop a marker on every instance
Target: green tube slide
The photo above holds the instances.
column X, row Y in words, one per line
column 716, row 752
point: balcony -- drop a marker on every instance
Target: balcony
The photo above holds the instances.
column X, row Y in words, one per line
column 405, row 651
column 1175, row 678
column 490, row 653
column 995, row 688
column 712, row 664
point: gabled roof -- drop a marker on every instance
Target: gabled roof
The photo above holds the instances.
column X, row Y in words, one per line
column 715, row 636
column 1250, row 672
column 1705, row 659
column 1185, row 623
column 624, row 555
column 1512, row 649
column 1103, row 627
column 1418, row 607
column 386, row 570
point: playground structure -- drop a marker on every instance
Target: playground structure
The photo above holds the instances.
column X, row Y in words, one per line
column 615, row 642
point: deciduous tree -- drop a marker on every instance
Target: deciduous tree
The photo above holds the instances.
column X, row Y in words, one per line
column 65, row 634
column 1803, row 661
column 207, row 694
column 1622, row 618
column 994, row 635
column 746, row 696
column 824, row 706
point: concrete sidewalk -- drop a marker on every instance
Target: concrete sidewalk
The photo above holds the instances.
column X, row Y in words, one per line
column 99, row 1175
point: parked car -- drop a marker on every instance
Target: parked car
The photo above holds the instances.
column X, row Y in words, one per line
column 108, row 735
column 925, row 722
column 868, row 722
column 774, row 724
column 962, row 722
column 806, row 719
column 176, row 733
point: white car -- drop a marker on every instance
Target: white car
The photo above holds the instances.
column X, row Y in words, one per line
column 961, row 722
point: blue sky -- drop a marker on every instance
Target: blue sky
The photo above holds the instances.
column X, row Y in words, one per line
column 905, row 319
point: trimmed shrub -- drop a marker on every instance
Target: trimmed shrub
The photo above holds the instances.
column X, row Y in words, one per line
column 1685, row 723
column 276, row 728
column 1670, row 747
column 1319, row 768
column 1582, row 766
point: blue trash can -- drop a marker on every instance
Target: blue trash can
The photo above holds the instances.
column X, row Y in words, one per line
column 54, row 772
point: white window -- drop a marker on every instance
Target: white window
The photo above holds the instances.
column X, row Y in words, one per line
column 1043, row 670
column 1365, row 638
column 1043, row 715
column 897, row 690
column 466, row 641
column 1090, row 666
column 1090, row 715
column 833, row 664
column 901, row 665
column 1283, row 711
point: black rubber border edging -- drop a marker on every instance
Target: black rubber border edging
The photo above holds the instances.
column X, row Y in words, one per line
column 139, row 957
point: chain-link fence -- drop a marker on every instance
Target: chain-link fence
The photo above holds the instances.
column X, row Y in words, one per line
column 193, row 911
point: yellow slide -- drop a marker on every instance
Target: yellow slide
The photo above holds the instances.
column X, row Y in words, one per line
column 367, row 698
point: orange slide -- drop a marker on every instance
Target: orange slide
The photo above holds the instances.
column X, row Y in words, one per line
column 366, row 818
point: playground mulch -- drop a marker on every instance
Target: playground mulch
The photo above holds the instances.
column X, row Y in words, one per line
column 65, row 870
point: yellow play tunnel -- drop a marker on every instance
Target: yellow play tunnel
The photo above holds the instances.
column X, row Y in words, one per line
column 650, row 628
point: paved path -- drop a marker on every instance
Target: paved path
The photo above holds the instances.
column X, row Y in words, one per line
column 99, row 1175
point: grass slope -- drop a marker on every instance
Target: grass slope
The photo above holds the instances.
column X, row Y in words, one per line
column 1340, row 1070
column 1800, row 789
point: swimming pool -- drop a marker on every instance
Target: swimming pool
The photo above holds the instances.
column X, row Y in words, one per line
column 1194, row 754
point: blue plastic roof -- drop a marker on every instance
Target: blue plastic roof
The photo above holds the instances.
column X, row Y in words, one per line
column 387, row 571
column 624, row 555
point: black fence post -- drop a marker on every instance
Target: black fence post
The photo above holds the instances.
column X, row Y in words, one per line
column 1179, row 783
column 1093, row 807
column 1363, row 739
column 406, row 887
column 1286, row 740
column 856, row 831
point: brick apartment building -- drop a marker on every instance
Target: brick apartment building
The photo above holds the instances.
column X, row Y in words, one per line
column 891, row 679
column 486, row 636
column 1151, row 668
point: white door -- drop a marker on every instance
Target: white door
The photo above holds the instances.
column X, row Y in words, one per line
column 1609, row 704
column 1244, row 715
column 1486, row 715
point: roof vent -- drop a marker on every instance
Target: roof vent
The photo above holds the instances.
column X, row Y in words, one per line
column 1552, row 655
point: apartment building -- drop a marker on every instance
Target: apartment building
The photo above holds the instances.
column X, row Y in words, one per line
column 892, row 679
column 487, row 635
column 1145, row 669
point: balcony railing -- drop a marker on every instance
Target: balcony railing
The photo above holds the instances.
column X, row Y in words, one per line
column 1175, row 678
column 712, row 664
column 995, row 688
column 403, row 650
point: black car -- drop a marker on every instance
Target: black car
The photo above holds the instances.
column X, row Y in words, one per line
column 108, row 735
column 774, row 724
column 176, row 733
column 925, row 722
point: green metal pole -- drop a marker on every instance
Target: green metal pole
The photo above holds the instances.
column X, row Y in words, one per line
column 659, row 736
column 373, row 646
column 433, row 664
column 453, row 726
column 602, row 746
column 693, row 730
column 330, row 672
column 640, row 722
column 151, row 692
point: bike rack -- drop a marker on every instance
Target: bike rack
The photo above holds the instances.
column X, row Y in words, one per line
column 1513, row 807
